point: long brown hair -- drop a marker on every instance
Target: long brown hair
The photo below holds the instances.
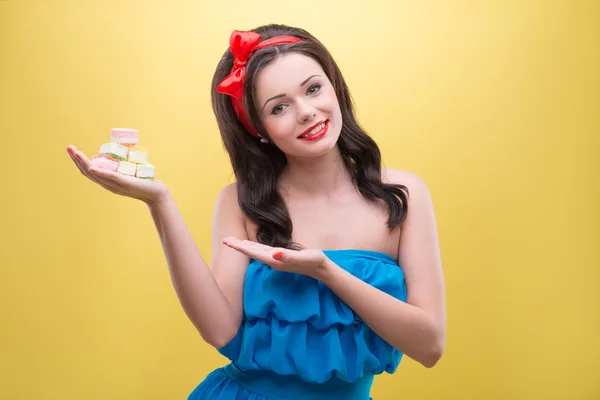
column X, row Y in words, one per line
column 257, row 166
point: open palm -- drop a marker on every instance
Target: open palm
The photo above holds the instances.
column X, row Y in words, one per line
column 305, row 262
column 141, row 189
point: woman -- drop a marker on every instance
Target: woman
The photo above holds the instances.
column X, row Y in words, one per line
column 325, row 268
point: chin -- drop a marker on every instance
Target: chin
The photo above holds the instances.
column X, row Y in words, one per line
column 317, row 148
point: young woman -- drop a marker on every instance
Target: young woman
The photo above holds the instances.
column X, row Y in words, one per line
column 326, row 267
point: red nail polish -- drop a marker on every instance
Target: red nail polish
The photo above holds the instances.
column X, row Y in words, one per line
column 278, row 255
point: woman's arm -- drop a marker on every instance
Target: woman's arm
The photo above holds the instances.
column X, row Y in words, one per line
column 212, row 301
column 417, row 327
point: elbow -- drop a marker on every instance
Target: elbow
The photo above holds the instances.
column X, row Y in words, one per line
column 433, row 347
column 431, row 358
column 220, row 333
column 434, row 353
column 218, row 338
column 216, row 342
column 220, row 342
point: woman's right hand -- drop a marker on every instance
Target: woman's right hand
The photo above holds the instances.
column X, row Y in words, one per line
column 149, row 191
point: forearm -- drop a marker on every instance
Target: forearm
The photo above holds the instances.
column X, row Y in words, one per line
column 198, row 292
column 408, row 328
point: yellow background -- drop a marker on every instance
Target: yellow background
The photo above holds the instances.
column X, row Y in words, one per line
column 494, row 103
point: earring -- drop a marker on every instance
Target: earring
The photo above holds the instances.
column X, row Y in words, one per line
column 263, row 140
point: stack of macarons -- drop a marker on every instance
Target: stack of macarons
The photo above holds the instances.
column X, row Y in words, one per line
column 123, row 154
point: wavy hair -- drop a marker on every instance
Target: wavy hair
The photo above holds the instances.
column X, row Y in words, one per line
column 257, row 166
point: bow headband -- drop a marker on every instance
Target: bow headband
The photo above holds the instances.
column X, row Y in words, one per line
column 242, row 45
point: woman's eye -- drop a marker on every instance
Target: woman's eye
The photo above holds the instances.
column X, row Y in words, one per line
column 278, row 109
column 313, row 89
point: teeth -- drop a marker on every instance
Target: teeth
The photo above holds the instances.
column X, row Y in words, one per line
column 315, row 130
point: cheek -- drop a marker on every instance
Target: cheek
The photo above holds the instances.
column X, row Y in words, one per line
column 273, row 126
column 331, row 98
column 279, row 126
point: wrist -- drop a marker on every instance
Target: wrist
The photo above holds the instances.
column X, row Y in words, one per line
column 158, row 199
column 326, row 271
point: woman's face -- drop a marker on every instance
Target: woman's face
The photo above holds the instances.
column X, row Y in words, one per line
column 298, row 106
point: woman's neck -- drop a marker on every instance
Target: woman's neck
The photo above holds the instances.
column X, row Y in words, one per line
column 323, row 176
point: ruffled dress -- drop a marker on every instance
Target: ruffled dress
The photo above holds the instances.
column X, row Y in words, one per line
column 298, row 340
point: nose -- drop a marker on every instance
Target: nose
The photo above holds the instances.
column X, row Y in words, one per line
column 306, row 112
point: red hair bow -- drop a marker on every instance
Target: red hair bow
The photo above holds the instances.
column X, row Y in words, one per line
column 242, row 45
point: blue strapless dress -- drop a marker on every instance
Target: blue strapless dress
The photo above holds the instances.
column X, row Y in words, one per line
column 299, row 341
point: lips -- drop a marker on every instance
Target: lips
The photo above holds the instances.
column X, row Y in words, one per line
column 307, row 131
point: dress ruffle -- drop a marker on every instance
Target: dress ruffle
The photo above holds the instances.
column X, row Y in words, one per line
column 295, row 325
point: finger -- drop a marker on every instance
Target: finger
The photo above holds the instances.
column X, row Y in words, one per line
column 279, row 256
column 245, row 248
column 114, row 177
column 237, row 244
column 259, row 245
column 86, row 165
column 79, row 156
column 230, row 240
column 82, row 164
column 104, row 174
column 274, row 253
column 257, row 251
column 94, row 178
column 248, row 252
column 82, row 168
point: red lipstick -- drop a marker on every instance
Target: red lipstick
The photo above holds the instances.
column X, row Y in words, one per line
column 316, row 135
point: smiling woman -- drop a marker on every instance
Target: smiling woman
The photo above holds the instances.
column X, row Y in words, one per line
column 289, row 90
column 331, row 240
column 325, row 272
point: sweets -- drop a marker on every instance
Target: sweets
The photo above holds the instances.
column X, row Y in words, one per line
column 145, row 171
column 138, row 154
column 124, row 136
column 127, row 168
column 105, row 161
column 124, row 155
column 114, row 150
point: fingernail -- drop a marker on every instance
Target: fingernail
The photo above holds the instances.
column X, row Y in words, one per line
column 278, row 255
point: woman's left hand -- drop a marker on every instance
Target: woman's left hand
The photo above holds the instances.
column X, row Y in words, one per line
column 308, row 262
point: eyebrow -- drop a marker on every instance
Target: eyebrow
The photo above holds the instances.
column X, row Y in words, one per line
column 283, row 94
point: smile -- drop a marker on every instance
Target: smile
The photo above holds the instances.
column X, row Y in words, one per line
column 316, row 131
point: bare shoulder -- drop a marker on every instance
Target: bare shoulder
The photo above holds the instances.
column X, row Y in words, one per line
column 227, row 195
column 227, row 204
column 417, row 188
